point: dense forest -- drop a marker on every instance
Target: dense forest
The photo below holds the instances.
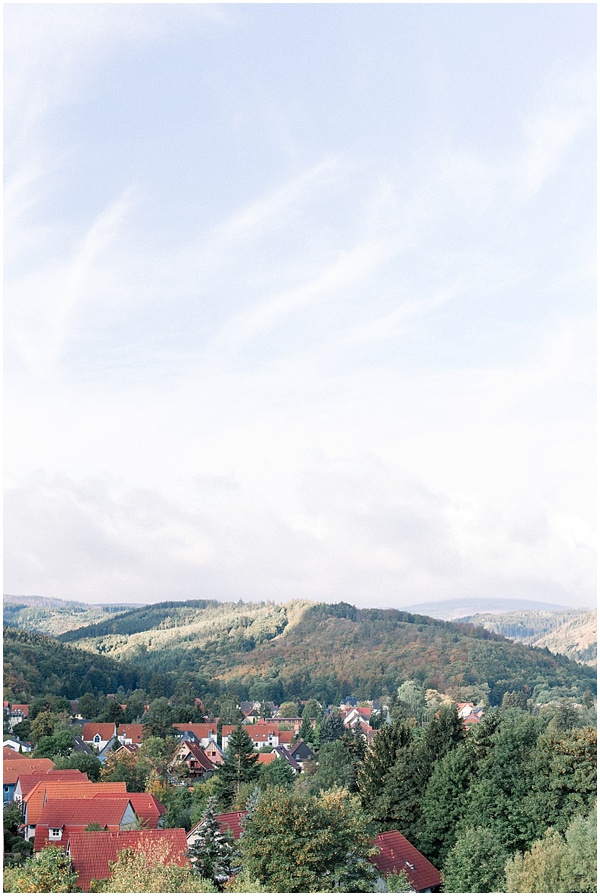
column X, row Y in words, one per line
column 276, row 652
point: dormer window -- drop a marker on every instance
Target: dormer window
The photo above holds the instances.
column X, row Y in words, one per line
column 97, row 738
column 55, row 834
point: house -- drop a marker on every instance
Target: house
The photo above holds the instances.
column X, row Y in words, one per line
column 263, row 734
column 130, row 734
column 18, row 745
column 37, row 798
column 10, row 752
column 195, row 759
column 464, row 709
column 267, row 758
column 302, row 753
column 60, row 818
column 91, row 851
column 12, row 768
column 18, row 713
column 26, row 783
column 99, row 734
column 148, row 809
column 228, row 821
column 214, row 752
column 80, row 746
column 202, row 731
column 283, row 753
column 396, row 855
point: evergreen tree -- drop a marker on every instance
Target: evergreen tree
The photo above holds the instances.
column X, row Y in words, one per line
column 212, row 852
column 240, row 766
column 332, row 728
column 375, row 769
column 278, row 773
column 444, row 805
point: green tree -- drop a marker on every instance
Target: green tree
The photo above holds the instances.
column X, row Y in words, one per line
column 374, row 770
column 147, row 869
column 44, row 725
column 212, row 852
column 278, row 773
column 127, row 767
column 475, row 864
column 298, row 843
column 336, row 767
column 556, row 863
column 288, row 709
column 332, row 728
column 85, row 762
column 158, row 719
column 59, row 744
column 240, row 766
column 49, row 872
column 88, row 706
column 444, row 805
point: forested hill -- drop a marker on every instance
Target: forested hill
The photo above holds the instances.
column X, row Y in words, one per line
column 274, row 651
column 36, row 664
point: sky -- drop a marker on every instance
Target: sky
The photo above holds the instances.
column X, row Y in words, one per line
column 299, row 302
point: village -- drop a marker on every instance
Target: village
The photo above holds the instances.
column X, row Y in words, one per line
column 93, row 820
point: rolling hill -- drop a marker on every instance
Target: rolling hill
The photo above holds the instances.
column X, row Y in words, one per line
column 569, row 632
column 273, row 651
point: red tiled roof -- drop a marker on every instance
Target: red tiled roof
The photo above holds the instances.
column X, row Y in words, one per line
column 20, row 707
column 228, row 821
column 28, row 782
column 102, row 810
column 266, row 758
column 286, row 737
column 202, row 730
column 12, row 768
column 91, row 851
column 9, row 753
column 134, row 732
column 106, row 730
column 396, row 854
column 47, row 790
column 260, row 731
column 145, row 805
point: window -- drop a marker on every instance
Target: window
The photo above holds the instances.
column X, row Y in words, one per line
column 96, row 738
column 55, row 833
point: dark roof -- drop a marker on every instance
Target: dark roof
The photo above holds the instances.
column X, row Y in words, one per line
column 199, row 755
column 285, row 754
column 397, row 854
column 303, row 749
column 91, row 851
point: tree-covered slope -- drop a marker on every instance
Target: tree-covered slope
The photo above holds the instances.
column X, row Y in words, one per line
column 35, row 665
column 275, row 651
column 572, row 632
column 50, row 616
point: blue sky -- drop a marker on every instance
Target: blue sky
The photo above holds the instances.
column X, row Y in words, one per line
column 300, row 301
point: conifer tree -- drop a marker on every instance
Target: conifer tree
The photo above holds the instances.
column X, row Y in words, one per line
column 212, row 852
column 240, row 766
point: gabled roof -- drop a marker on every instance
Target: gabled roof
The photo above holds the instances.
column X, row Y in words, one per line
column 9, row 753
column 91, row 851
column 134, row 732
column 22, row 708
column 284, row 753
column 266, row 758
column 260, row 731
column 47, row 790
column 302, row 747
column 26, row 783
column 286, row 737
column 106, row 730
column 202, row 730
column 397, row 854
column 199, row 755
column 147, row 808
column 102, row 810
column 12, row 768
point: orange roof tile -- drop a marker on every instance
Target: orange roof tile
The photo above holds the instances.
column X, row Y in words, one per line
column 12, row 768
column 45, row 790
column 397, row 854
column 91, row 851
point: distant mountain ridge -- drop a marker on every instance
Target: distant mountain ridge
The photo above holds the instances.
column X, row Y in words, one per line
column 52, row 616
column 569, row 632
column 461, row 608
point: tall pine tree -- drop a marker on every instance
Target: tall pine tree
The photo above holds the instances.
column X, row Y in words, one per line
column 240, row 766
column 212, row 852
